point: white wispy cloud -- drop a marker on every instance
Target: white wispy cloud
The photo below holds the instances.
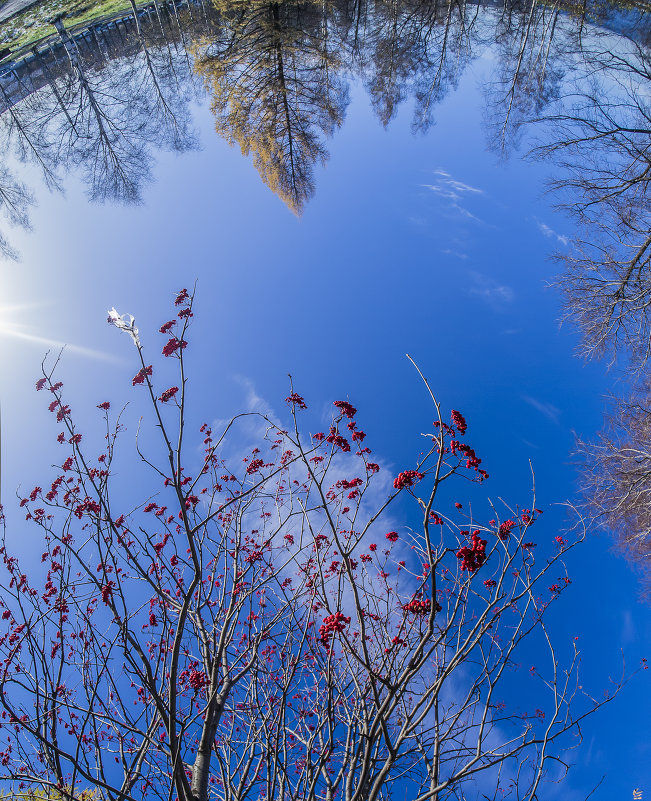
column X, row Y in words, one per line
column 629, row 633
column 450, row 189
column 456, row 253
column 495, row 294
column 548, row 409
column 445, row 179
column 465, row 213
column 253, row 402
column 551, row 234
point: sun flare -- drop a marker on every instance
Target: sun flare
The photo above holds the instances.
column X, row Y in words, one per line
column 13, row 329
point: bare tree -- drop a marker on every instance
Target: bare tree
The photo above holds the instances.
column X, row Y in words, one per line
column 264, row 625
column 607, row 290
column 15, row 200
column 616, row 477
column 602, row 141
column 532, row 56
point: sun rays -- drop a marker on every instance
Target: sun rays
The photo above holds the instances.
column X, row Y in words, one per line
column 12, row 328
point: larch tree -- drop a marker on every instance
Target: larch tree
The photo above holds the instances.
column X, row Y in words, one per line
column 276, row 90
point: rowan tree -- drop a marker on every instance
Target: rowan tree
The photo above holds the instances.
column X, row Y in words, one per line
column 287, row 623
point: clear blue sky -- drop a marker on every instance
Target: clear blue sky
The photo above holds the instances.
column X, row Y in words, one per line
column 419, row 244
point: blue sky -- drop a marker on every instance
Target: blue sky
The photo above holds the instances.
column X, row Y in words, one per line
column 425, row 245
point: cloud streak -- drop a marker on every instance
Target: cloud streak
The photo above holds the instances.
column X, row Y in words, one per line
column 550, row 411
column 545, row 230
column 448, row 188
column 495, row 294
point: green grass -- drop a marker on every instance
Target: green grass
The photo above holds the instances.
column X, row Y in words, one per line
column 32, row 25
column 86, row 13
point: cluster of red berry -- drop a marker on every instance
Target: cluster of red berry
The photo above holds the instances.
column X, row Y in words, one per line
column 459, row 421
column 407, row 479
column 417, row 607
column 331, row 625
column 473, row 557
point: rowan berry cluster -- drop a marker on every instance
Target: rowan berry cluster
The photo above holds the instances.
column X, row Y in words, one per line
column 345, row 408
column 459, row 421
column 332, row 624
column 296, row 400
column 473, row 556
column 416, row 607
column 139, row 377
column 335, row 438
column 168, row 394
column 407, row 479
column 505, row 529
column 173, row 345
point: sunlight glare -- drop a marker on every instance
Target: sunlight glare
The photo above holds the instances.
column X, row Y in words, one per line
column 11, row 329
